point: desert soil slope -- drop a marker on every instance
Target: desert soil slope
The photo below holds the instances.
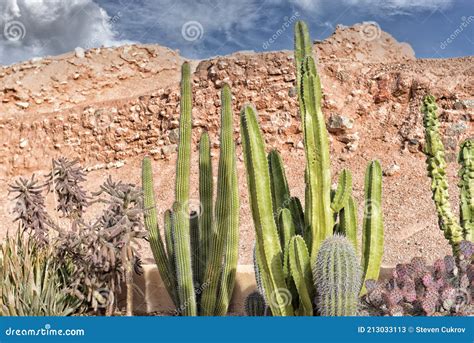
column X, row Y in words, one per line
column 109, row 107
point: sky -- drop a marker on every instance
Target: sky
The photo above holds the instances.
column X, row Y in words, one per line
column 204, row 28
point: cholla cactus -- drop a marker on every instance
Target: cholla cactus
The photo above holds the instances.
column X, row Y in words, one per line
column 416, row 289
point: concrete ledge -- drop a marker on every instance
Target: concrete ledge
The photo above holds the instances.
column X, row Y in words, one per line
column 150, row 295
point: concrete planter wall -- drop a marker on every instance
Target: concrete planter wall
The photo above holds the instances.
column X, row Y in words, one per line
column 150, row 295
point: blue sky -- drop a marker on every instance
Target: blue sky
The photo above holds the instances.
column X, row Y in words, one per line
column 204, row 28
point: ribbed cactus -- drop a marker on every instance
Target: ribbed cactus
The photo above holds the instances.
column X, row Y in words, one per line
column 199, row 264
column 373, row 232
column 319, row 215
column 436, row 165
column 268, row 248
column 466, row 184
column 255, row 305
column 337, row 275
column 288, row 238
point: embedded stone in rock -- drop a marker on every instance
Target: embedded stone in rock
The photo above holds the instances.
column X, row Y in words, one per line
column 339, row 124
column 392, row 170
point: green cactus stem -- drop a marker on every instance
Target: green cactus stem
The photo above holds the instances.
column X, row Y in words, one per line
column 182, row 247
column 466, row 185
column 255, row 305
column 319, row 215
column 222, row 260
column 269, row 252
column 300, row 269
column 151, row 223
column 348, row 221
column 372, row 231
column 436, row 165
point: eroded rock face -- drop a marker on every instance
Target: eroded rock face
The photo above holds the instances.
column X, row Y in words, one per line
column 105, row 105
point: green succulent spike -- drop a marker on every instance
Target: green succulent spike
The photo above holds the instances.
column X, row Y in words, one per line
column 222, row 262
column 279, row 185
column 195, row 249
column 348, row 221
column 337, row 275
column 300, row 269
column 169, row 221
column 466, row 184
column 343, row 191
column 206, row 200
column 436, row 165
column 373, row 232
column 319, row 215
column 182, row 238
column 297, row 215
column 151, row 224
column 269, row 252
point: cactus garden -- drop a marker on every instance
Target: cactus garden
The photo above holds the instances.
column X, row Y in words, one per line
column 319, row 252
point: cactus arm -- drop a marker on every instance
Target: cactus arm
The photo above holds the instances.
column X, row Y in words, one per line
column 343, row 191
column 373, row 231
column 466, row 185
column 300, row 269
column 348, row 222
column 258, row 181
column 319, row 162
column 206, row 198
column 279, row 185
column 287, row 231
column 297, row 215
column 436, row 165
column 183, row 245
column 169, row 223
column 225, row 239
column 195, row 249
column 151, row 223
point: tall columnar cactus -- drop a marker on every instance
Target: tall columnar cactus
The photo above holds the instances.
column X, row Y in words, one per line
column 199, row 262
column 288, row 238
column 373, row 233
column 436, row 165
column 319, row 215
column 466, row 184
column 337, row 275
column 268, row 249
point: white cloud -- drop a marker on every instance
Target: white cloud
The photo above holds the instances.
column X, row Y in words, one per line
column 31, row 28
column 375, row 7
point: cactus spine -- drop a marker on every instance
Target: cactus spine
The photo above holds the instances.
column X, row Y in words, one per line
column 436, row 165
column 337, row 276
column 201, row 253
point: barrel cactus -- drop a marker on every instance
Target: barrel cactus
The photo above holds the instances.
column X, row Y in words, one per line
column 337, row 274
